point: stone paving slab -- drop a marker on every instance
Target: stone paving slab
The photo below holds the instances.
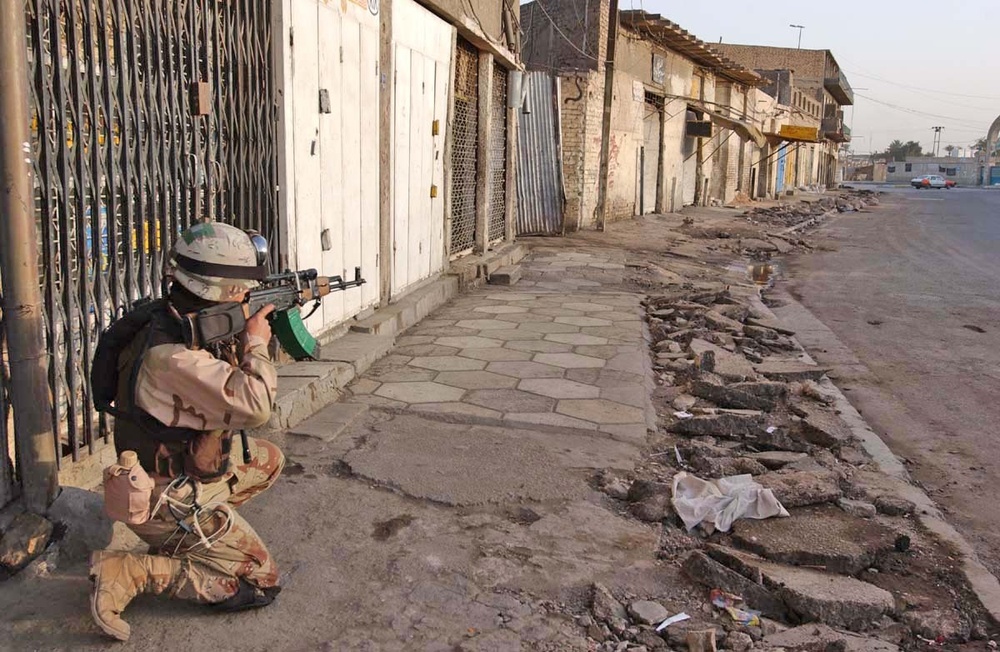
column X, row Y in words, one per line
column 559, row 359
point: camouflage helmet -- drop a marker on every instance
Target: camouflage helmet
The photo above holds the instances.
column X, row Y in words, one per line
column 217, row 262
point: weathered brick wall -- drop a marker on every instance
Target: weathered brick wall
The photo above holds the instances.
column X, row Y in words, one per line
column 581, row 112
column 807, row 64
column 582, row 43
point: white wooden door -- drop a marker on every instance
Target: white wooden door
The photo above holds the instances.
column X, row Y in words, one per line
column 334, row 82
column 422, row 49
column 651, row 157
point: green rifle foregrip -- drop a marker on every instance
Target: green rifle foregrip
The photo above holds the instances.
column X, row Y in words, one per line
column 291, row 332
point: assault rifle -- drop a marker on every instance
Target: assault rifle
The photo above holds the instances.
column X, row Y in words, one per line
column 287, row 291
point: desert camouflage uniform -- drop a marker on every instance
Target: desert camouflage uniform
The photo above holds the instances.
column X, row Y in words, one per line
column 202, row 398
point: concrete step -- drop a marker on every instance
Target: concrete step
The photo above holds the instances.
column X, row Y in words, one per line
column 509, row 275
column 414, row 306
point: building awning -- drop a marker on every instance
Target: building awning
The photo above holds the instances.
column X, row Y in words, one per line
column 746, row 130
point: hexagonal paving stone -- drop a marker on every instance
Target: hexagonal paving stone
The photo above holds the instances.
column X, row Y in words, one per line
column 583, row 321
column 485, row 324
column 500, row 310
column 525, row 369
column 559, row 388
column 510, row 296
column 549, row 327
column 599, row 410
column 556, row 312
column 510, row 400
column 400, row 374
column 457, row 408
column 549, row 419
column 421, row 392
column 470, row 342
column 576, row 338
column 588, row 307
column 604, row 352
column 422, row 350
column 475, row 380
column 409, row 340
column 526, row 317
column 569, row 360
column 625, row 395
column 493, row 355
column 515, row 335
column 539, row 346
column 448, row 363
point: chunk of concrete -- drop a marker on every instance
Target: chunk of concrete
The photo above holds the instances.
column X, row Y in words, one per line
column 701, row 641
column 775, row 460
column 822, row 536
column 801, row 488
column 23, row 540
column 728, row 425
column 774, row 325
column 750, row 396
column 816, row 637
column 893, row 506
column 604, row 606
column 713, row 574
column 789, row 370
column 812, row 595
column 722, row 323
column 730, row 366
column 647, row 612
column 857, row 508
column 720, row 467
column 824, row 429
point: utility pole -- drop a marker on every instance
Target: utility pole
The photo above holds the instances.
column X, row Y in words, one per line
column 609, row 94
column 22, row 299
column 937, row 138
column 800, row 28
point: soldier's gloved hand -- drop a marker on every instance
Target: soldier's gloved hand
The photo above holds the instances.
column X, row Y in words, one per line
column 258, row 326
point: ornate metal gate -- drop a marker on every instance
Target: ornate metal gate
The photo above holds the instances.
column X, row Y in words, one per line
column 147, row 115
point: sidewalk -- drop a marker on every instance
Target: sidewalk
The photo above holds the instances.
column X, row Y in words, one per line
column 446, row 500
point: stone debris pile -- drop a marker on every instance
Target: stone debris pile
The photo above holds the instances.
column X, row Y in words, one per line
column 736, row 396
column 795, row 214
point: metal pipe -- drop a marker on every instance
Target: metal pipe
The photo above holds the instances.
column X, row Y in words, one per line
column 22, row 299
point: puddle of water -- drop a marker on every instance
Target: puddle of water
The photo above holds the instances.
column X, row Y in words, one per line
column 761, row 273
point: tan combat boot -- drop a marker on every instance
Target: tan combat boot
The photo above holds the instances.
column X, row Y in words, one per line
column 119, row 577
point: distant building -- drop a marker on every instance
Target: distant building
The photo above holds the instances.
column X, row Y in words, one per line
column 963, row 171
column 804, row 79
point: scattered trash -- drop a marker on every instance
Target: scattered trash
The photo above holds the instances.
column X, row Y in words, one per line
column 680, row 461
column 772, row 429
column 672, row 620
column 992, row 644
column 720, row 502
column 936, row 642
column 740, row 615
column 683, row 414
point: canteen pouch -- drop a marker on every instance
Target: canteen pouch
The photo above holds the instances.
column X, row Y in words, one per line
column 128, row 490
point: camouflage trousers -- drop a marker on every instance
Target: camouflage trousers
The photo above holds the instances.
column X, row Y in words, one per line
column 211, row 574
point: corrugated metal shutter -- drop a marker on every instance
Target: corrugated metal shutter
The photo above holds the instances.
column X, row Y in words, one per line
column 540, row 197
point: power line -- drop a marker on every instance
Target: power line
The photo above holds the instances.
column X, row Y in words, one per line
column 924, row 90
column 968, row 123
column 561, row 33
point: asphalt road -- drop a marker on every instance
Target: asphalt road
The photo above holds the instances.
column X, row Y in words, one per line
column 913, row 290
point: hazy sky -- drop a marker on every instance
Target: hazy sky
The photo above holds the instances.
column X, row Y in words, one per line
column 936, row 57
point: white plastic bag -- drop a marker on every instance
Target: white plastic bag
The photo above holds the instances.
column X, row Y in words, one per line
column 722, row 501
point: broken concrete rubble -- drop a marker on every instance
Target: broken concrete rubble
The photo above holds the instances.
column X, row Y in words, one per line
column 818, row 537
column 801, row 488
column 646, row 612
column 731, row 426
column 714, row 575
column 894, row 506
column 789, row 370
column 753, row 396
column 816, row 637
column 604, row 605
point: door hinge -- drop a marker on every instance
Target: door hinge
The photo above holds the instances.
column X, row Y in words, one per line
column 341, row 54
column 291, row 36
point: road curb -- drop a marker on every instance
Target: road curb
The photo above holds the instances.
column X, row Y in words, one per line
column 812, row 220
column 981, row 581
